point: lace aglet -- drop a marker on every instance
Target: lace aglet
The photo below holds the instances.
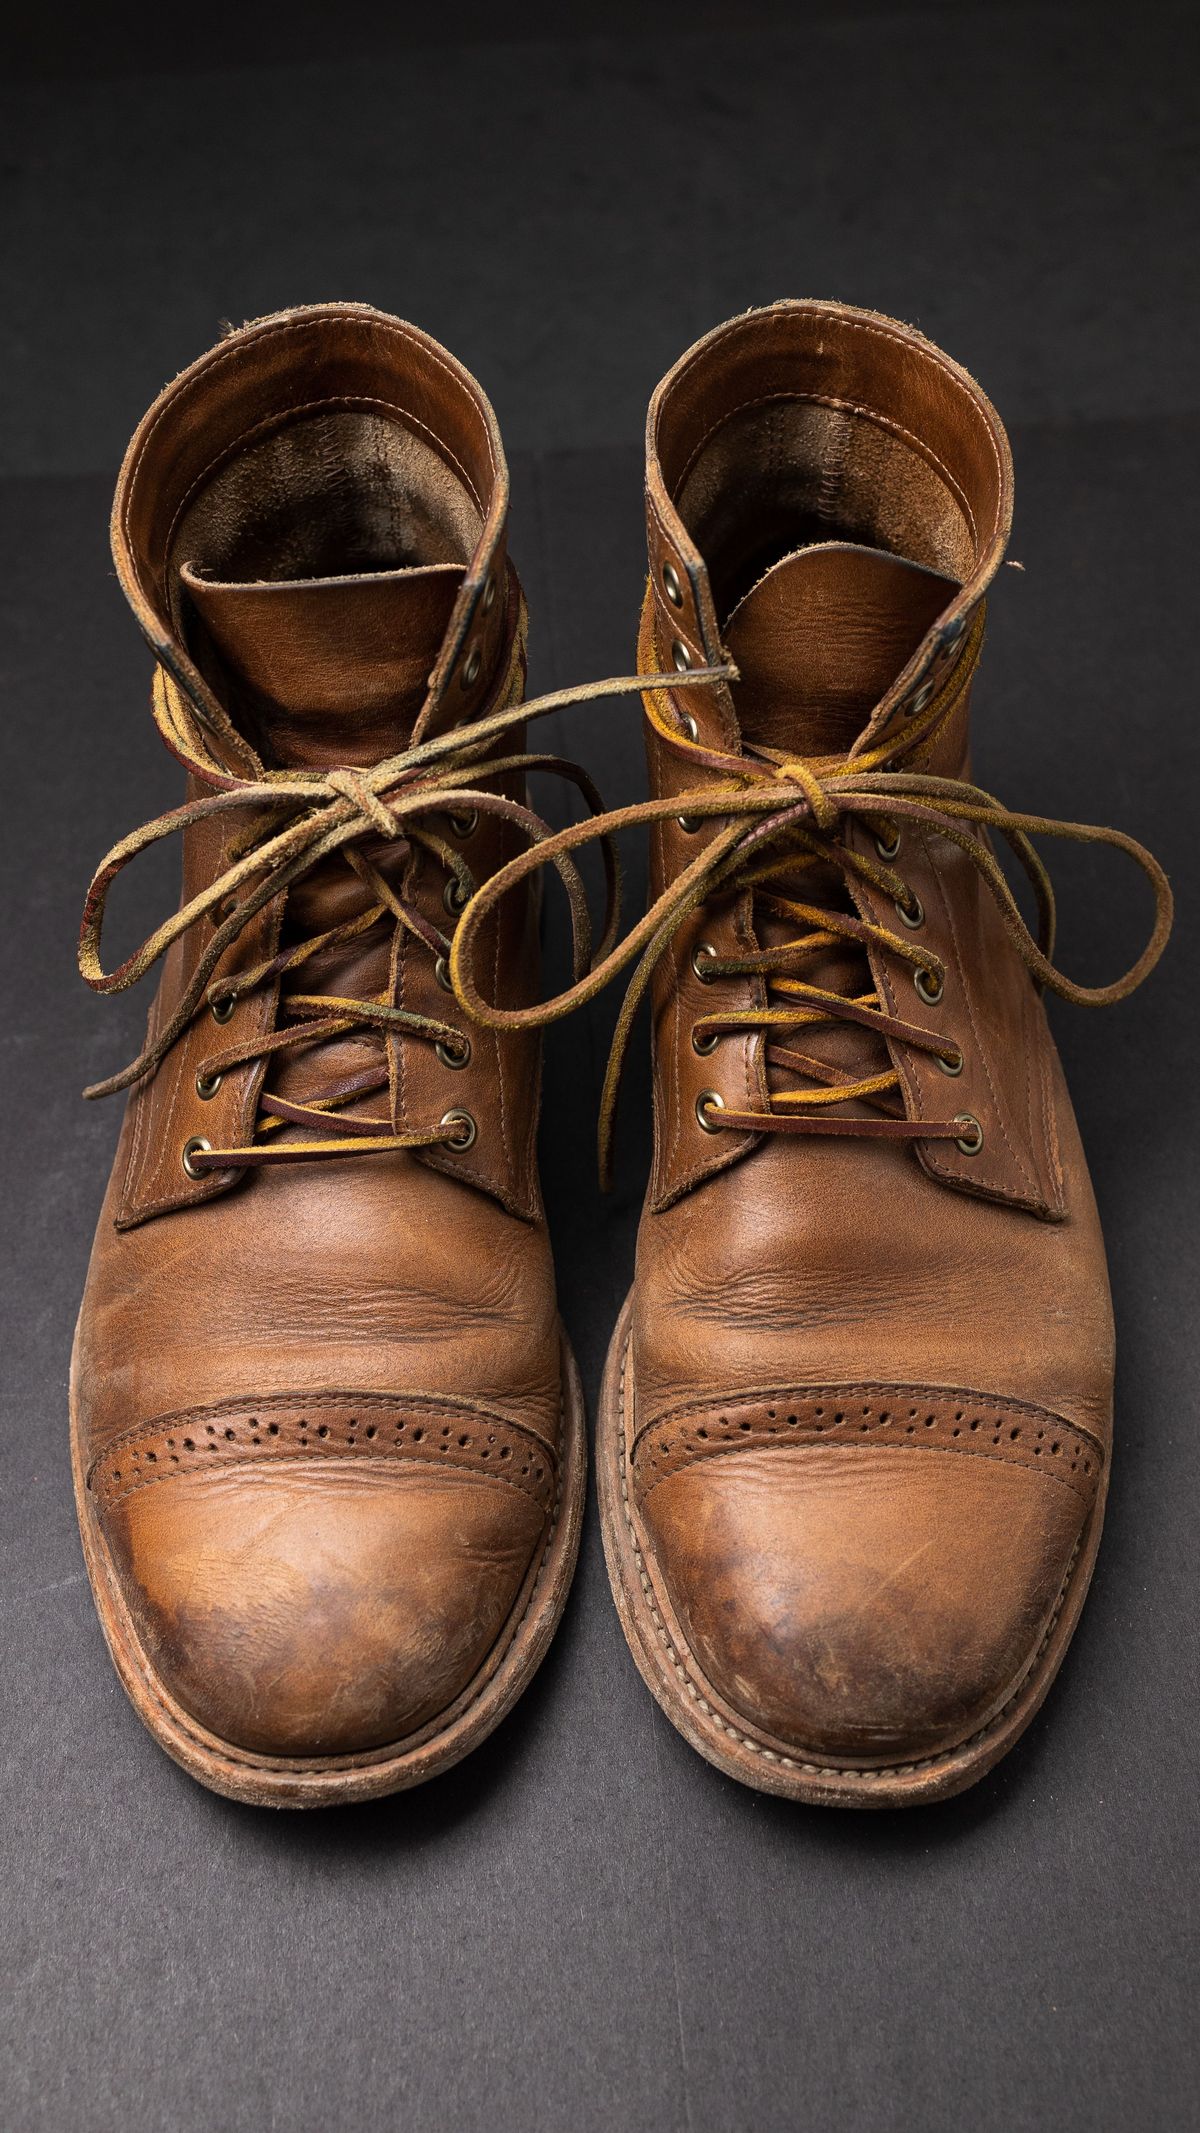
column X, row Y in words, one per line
column 700, row 677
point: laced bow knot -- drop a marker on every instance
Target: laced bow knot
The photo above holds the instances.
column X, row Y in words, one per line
column 822, row 803
column 354, row 787
column 778, row 817
column 297, row 822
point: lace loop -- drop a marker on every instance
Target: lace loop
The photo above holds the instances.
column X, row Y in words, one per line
column 779, row 815
column 294, row 823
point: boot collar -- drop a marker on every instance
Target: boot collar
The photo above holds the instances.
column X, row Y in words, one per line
column 926, row 438
column 252, row 385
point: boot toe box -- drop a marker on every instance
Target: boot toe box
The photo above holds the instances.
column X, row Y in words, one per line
column 867, row 1605
column 308, row 1608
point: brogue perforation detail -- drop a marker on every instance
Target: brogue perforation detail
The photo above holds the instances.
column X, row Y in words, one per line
column 368, row 1426
column 892, row 1417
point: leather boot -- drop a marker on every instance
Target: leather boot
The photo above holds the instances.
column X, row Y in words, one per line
column 854, row 1445
column 328, row 1439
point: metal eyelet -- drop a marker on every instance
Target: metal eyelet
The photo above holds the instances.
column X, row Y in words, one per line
column 466, row 824
column 455, row 1059
column 703, row 1046
column 441, row 971
column 681, row 658
column 224, row 910
column 916, row 704
column 207, row 1085
column 689, row 824
column 221, row 1009
column 671, row 584
column 454, row 896
column 489, row 593
column 196, row 1146
column 471, row 666
column 470, row 1131
column 953, row 1065
column 689, row 725
column 888, row 851
column 706, row 1097
column 703, row 953
column 929, row 986
column 969, row 1143
column 914, row 918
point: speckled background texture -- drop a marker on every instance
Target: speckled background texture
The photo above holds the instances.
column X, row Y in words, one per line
column 584, row 1926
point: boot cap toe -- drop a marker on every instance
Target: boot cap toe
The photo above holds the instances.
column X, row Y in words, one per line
column 863, row 1604
column 309, row 1610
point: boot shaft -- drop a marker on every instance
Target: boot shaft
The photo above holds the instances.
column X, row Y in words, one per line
column 310, row 528
column 828, row 499
column 853, row 1443
column 320, row 1314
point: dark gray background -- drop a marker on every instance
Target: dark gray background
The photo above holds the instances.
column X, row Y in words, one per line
column 584, row 1925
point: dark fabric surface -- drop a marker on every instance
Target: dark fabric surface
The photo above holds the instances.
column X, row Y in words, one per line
column 584, row 1925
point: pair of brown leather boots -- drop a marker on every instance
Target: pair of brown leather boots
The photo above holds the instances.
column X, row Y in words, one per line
column 329, row 1444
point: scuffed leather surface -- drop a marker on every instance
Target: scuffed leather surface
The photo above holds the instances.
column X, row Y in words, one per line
column 863, row 1602
column 386, row 1276
column 879, row 1594
column 326, row 1611
column 315, row 1570
column 841, row 1262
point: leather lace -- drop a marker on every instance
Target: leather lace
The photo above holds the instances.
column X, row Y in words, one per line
column 288, row 823
column 780, row 818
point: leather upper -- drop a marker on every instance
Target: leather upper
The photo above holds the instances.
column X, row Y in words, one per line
column 319, row 1402
column 869, row 1398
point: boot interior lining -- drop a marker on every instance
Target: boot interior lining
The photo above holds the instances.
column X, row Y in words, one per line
column 783, row 475
column 339, row 493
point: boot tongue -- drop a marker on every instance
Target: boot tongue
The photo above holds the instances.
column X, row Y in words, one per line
column 820, row 639
column 322, row 671
column 318, row 672
column 818, row 642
